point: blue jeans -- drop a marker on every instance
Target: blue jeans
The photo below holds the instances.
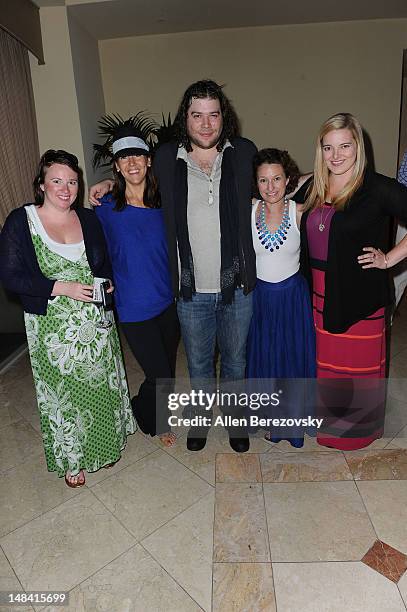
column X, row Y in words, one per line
column 205, row 320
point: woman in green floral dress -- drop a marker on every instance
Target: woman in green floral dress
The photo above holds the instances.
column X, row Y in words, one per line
column 50, row 253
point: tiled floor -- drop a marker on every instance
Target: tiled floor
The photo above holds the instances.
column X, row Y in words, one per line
column 169, row 530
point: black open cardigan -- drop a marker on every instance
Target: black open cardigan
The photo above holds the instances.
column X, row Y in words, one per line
column 164, row 169
column 19, row 269
column 352, row 293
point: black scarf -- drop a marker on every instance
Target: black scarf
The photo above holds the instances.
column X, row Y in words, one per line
column 230, row 276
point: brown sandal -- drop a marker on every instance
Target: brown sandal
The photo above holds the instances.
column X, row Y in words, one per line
column 75, row 485
column 168, row 439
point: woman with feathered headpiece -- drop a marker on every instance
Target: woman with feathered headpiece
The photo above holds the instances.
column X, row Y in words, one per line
column 131, row 217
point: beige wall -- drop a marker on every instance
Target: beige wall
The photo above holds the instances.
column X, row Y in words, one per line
column 283, row 80
column 68, row 89
column 54, row 87
column 89, row 90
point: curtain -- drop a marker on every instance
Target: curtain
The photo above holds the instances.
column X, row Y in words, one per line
column 19, row 151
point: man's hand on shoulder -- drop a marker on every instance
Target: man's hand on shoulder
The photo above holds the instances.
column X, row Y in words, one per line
column 96, row 192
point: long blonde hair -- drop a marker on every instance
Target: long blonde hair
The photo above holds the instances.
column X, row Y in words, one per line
column 319, row 189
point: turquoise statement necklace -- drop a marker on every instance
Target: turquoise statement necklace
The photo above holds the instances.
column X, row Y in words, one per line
column 273, row 240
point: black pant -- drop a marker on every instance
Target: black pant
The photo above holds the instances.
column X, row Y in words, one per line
column 154, row 344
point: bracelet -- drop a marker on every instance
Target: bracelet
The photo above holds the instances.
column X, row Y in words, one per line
column 385, row 261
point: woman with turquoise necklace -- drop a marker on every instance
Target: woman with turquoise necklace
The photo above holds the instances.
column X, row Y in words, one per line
column 281, row 343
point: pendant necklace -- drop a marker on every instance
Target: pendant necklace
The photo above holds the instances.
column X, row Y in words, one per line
column 323, row 221
column 273, row 240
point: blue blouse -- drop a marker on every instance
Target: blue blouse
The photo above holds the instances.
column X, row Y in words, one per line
column 137, row 246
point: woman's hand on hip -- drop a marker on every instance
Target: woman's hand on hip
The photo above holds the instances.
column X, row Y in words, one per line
column 373, row 258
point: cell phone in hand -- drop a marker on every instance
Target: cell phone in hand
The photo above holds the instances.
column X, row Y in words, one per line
column 107, row 298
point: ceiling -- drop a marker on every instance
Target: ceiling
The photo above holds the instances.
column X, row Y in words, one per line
column 119, row 18
column 48, row 2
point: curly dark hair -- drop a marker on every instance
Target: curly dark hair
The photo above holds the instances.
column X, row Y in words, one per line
column 276, row 156
column 206, row 89
column 48, row 159
column 151, row 195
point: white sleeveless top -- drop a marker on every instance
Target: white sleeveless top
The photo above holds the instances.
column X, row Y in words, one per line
column 283, row 262
column 72, row 252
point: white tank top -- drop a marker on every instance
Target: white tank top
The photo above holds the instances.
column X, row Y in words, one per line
column 283, row 262
column 72, row 251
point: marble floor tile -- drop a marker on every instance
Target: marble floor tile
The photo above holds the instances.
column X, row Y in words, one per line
column 310, row 444
column 243, row 586
column 9, row 582
column 375, row 445
column 132, row 583
column 138, row 446
column 62, row 547
column 54, row 536
column 240, row 531
column 203, row 462
column 8, row 414
column 386, row 504
column 400, row 441
column 182, row 362
column 134, row 378
column 317, row 521
column 398, row 365
column 131, row 365
column 150, row 492
column 334, row 587
column 402, row 585
column 386, row 560
column 30, row 413
column 182, row 381
column 19, row 397
column 397, row 382
column 19, row 384
column 234, row 467
column 306, row 466
column 396, row 417
column 382, row 464
column 398, row 340
column 183, row 547
column 29, row 490
column 18, row 443
column 18, row 372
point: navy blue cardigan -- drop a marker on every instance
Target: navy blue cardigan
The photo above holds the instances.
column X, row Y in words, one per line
column 19, row 269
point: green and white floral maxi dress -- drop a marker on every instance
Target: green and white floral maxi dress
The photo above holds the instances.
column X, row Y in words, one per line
column 78, row 370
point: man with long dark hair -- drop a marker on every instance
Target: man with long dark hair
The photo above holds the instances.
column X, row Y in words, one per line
column 205, row 181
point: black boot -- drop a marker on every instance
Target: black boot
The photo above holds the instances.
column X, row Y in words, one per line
column 240, row 445
column 196, row 438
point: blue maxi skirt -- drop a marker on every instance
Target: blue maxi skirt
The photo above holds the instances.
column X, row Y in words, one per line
column 281, row 346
